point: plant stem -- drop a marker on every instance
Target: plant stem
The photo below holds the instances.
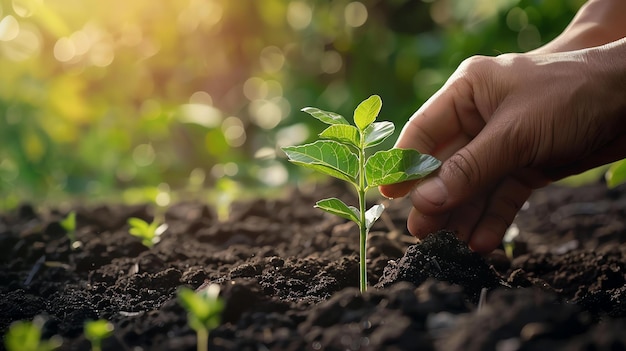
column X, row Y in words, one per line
column 203, row 339
column 362, row 225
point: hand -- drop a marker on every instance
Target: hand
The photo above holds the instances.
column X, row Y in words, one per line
column 509, row 124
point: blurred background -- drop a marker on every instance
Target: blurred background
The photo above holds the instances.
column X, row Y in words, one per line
column 139, row 100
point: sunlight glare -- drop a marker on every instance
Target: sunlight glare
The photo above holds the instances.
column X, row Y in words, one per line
column 201, row 97
column 144, row 155
column 64, row 50
column 299, row 15
column 255, row 88
column 272, row 59
column 25, row 8
column 265, row 113
column 25, row 45
column 9, row 28
column 355, row 14
column 331, row 62
column 234, row 131
column 273, row 175
column 292, row 135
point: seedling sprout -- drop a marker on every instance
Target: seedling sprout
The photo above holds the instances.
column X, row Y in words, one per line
column 204, row 309
column 341, row 154
column 26, row 336
column 69, row 224
column 96, row 331
column 149, row 233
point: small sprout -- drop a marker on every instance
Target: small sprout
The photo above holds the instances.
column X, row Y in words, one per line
column 204, row 309
column 616, row 174
column 341, row 154
column 149, row 233
column 508, row 241
column 69, row 224
column 96, row 331
column 26, row 336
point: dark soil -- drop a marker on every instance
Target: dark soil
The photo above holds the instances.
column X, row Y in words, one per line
column 289, row 276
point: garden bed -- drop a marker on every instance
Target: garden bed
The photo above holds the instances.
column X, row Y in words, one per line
column 289, row 276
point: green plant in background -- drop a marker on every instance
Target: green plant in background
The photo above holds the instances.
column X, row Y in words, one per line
column 69, row 224
column 616, row 174
column 149, row 233
column 341, row 154
column 26, row 336
column 204, row 310
column 96, row 331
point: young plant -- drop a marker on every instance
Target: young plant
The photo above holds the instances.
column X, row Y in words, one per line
column 149, row 233
column 341, row 154
column 96, row 331
column 69, row 224
column 26, row 336
column 616, row 174
column 204, row 309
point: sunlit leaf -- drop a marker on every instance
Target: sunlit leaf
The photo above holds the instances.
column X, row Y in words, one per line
column 367, row 111
column 373, row 214
column 377, row 132
column 616, row 174
column 326, row 156
column 339, row 208
column 204, row 307
column 98, row 329
column 325, row 116
column 342, row 133
column 398, row 165
column 69, row 222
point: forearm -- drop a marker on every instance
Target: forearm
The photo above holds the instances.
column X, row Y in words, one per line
column 598, row 22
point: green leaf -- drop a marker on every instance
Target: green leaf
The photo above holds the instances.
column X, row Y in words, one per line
column 204, row 307
column 325, row 116
column 616, row 174
column 398, row 165
column 373, row 214
column 377, row 132
column 69, row 222
column 26, row 336
column 345, row 134
column 98, row 330
column 326, row 156
column 339, row 208
column 367, row 111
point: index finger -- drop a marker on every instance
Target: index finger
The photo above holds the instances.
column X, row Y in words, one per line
column 443, row 125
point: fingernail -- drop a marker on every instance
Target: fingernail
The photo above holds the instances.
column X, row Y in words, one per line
column 433, row 190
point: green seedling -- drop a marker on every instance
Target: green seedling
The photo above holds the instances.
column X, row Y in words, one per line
column 508, row 241
column 204, row 309
column 149, row 233
column 26, row 336
column 342, row 154
column 69, row 225
column 96, row 331
column 616, row 174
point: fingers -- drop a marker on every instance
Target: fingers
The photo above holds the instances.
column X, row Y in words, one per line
column 420, row 225
column 505, row 202
column 481, row 222
column 445, row 123
column 472, row 170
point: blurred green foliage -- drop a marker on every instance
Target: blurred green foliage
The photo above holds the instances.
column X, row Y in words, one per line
column 152, row 96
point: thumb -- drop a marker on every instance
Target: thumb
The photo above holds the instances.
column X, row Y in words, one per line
column 471, row 170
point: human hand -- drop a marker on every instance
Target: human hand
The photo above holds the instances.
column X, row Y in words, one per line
column 506, row 125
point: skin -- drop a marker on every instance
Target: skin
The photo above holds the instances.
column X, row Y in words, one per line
column 506, row 125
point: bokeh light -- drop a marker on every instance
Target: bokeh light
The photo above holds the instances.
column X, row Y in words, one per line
column 105, row 96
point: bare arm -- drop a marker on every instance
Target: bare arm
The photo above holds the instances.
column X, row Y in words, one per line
column 598, row 22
